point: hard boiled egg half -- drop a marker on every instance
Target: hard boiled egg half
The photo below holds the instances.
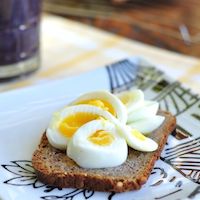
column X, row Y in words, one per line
column 132, row 99
column 66, row 122
column 106, row 101
column 138, row 141
column 97, row 144
column 142, row 114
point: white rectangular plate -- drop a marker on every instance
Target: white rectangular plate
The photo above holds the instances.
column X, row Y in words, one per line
column 25, row 113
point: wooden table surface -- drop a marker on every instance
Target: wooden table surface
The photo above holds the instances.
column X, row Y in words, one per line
column 169, row 24
column 70, row 48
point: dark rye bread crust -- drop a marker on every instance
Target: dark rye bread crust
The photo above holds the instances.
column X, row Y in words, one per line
column 54, row 168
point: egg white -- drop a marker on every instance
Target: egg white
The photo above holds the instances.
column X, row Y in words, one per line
column 146, row 144
column 89, row 155
column 150, row 108
column 57, row 139
column 132, row 99
column 147, row 125
column 120, row 109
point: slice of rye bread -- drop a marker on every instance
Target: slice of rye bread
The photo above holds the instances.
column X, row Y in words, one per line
column 54, row 168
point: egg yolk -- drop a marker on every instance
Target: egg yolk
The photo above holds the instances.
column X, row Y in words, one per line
column 73, row 122
column 138, row 135
column 101, row 104
column 101, row 138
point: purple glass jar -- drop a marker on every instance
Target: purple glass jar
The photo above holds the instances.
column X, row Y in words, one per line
column 19, row 37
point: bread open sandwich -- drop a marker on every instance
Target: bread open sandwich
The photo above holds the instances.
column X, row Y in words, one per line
column 103, row 142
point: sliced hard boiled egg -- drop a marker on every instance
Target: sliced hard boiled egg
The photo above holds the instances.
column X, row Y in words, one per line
column 147, row 125
column 66, row 122
column 97, row 144
column 132, row 99
column 138, row 141
column 106, row 101
column 55, row 138
column 150, row 108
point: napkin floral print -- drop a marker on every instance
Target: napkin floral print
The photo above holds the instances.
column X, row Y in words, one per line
column 24, row 175
column 179, row 162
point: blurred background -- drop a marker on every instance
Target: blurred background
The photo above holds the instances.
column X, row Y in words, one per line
column 169, row 24
column 59, row 46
